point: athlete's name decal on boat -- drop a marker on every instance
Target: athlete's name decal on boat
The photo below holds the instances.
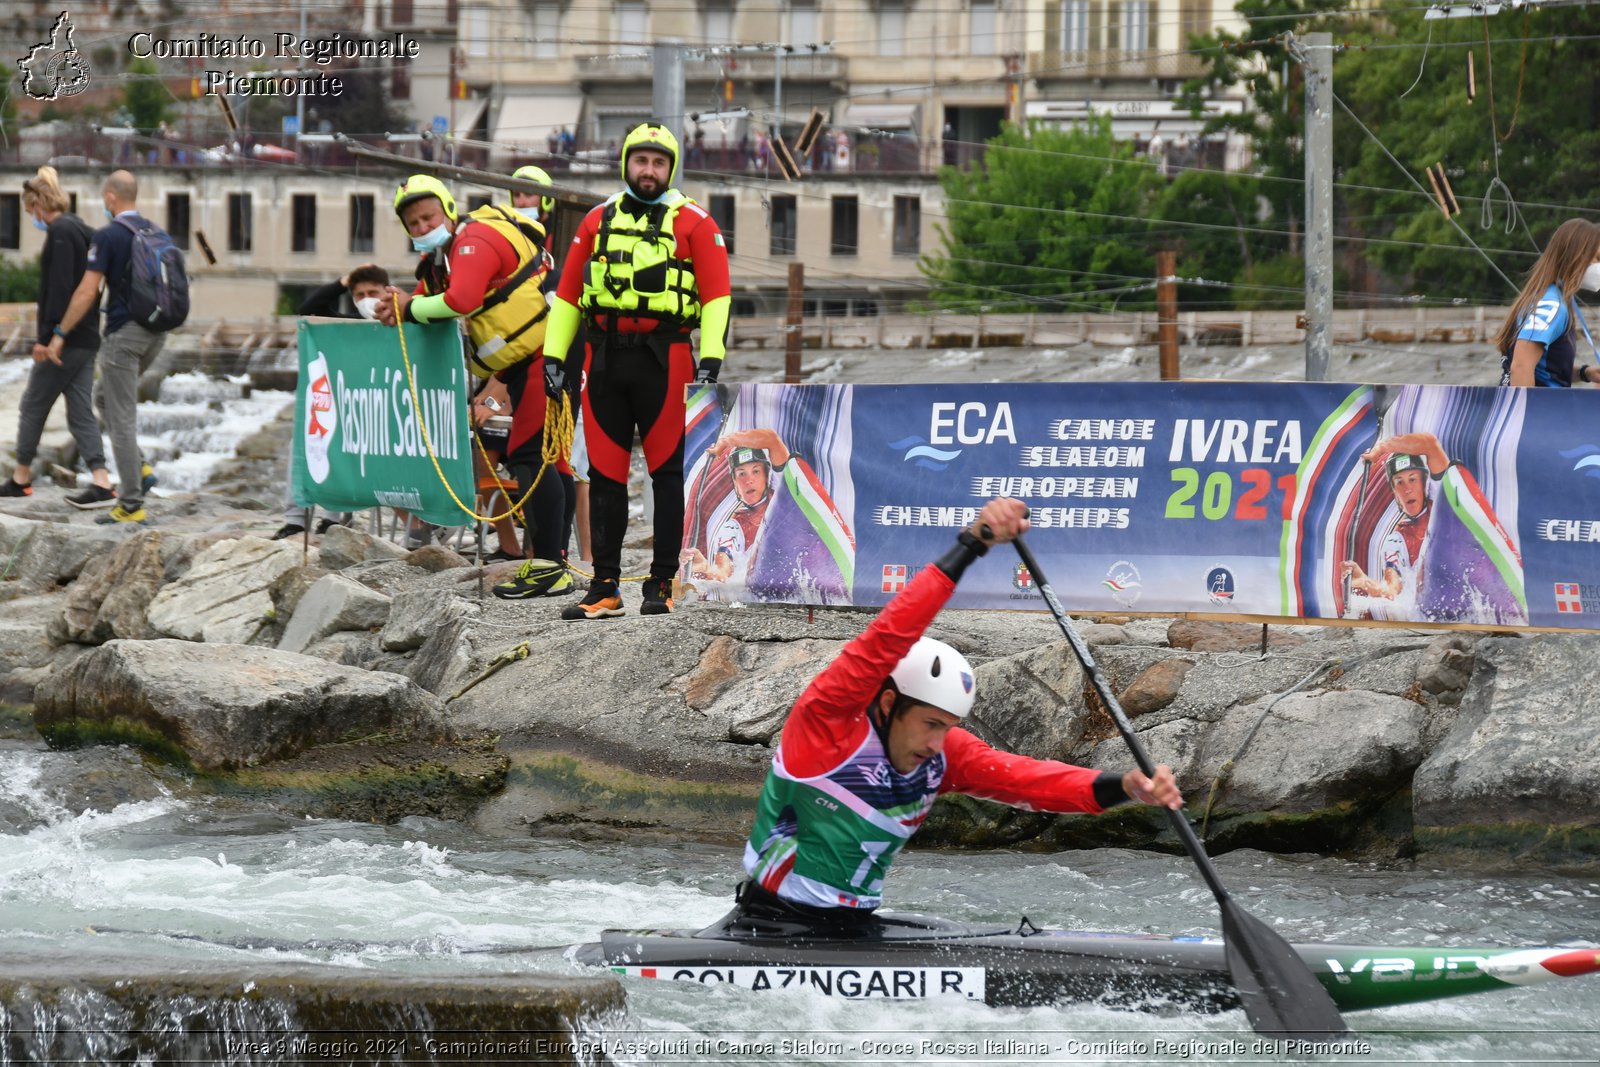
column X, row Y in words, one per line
column 854, row 983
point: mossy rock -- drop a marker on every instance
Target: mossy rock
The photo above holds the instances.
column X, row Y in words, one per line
column 1563, row 848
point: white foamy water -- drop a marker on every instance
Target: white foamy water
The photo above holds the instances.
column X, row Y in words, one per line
column 197, row 423
column 170, row 879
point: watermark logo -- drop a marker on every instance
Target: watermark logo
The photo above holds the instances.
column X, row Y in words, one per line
column 54, row 69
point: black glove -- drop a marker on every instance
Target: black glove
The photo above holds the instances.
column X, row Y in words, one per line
column 706, row 372
column 555, row 378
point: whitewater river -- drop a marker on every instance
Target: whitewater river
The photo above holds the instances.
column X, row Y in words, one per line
column 168, row 880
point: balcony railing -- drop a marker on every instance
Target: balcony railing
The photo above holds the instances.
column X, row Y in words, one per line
column 800, row 67
column 1078, row 66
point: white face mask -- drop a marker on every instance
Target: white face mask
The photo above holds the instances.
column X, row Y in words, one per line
column 1591, row 278
column 434, row 238
column 368, row 306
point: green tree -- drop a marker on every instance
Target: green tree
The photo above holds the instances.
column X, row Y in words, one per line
column 1537, row 102
column 19, row 282
column 1212, row 213
column 145, row 95
column 1051, row 220
column 1273, row 123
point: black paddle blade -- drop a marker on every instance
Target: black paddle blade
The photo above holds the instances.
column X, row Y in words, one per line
column 1281, row 997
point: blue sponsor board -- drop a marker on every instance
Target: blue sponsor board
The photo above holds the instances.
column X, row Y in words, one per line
column 1434, row 504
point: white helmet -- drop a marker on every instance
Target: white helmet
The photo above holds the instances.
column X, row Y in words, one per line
column 935, row 674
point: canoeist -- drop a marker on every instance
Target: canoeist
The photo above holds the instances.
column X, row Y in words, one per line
column 876, row 738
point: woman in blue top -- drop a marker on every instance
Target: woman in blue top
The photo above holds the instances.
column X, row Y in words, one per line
column 1536, row 341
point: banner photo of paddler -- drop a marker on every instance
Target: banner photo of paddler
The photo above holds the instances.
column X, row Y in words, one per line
column 368, row 434
column 1438, row 505
column 767, row 494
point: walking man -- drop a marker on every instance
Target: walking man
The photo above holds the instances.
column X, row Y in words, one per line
column 128, row 348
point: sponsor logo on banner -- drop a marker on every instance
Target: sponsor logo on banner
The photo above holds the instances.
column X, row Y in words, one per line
column 1123, row 582
column 1020, row 578
column 321, row 419
column 1219, row 586
column 894, row 577
column 1569, row 598
column 852, row 983
column 1586, row 458
column 919, row 452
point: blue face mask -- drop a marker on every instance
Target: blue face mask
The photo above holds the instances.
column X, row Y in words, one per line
column 529, row 213
column 39, row 224
column 109, row 216
column 434, row 238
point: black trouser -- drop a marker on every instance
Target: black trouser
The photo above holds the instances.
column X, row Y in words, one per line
column 635, row 381
column 545, row 531
column 753, row 902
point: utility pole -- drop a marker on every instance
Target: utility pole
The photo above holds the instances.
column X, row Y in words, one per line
column 666, row 89
column 777, row 86
column 299, row 96
column 1315, row 52
column 794, row 324
column 1167, row 312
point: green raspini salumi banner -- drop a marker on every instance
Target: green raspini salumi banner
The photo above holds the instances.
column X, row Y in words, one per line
column 358, row 438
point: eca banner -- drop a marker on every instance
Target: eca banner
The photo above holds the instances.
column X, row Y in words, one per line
column 361, row 439
column 1427, row 504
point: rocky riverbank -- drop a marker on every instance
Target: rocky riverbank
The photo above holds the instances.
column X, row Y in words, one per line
column 360, row 680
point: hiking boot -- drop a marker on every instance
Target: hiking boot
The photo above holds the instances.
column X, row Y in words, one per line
column 147, row 477
column 657, row 597
column 288, row 529
column 420, row 535
column 536, row 577
column 324, row 525
column 12, row 487
column 93, row 497
column 122, row 514
column 603, row 601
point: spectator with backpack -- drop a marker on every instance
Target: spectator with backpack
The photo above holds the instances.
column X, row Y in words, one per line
column 147, row 294
column 71, row 372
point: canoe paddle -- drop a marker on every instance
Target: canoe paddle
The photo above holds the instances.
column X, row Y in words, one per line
column 1281, row 996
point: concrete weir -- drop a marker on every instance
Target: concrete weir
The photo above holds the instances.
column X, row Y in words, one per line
column 117, row 1010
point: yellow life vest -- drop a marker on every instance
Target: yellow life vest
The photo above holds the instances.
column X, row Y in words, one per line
column 508, row 327
column 632, row 268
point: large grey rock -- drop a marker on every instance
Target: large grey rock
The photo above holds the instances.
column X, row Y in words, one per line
column 415, row 614
column 225, row 706
column 24, row 631
column 749, row 687
column 113, row 593
column 1446, row 666
column 1313, row 750
column 1032, row 703
column 290, row 586
column 225, row 598
column 332, row 604
column 42, row 554
column 1524, row 748
column 343, row 547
